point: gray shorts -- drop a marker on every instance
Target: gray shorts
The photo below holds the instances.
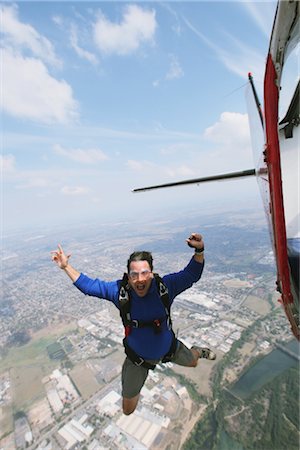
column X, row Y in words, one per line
column 134, row 377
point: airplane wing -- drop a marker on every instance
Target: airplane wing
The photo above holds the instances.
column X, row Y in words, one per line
column 225, row 176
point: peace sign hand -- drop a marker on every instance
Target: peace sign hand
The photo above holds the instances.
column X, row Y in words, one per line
column 60, row 258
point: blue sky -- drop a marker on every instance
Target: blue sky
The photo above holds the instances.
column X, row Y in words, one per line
column 99, row 98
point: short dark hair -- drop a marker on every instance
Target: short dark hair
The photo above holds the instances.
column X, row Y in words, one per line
column 140, row 256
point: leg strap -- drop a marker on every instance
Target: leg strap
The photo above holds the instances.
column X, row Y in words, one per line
column 172, row 350
column 136, row 359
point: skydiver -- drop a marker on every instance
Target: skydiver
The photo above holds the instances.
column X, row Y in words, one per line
column 144, row 300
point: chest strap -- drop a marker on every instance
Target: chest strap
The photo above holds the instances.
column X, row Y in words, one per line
column 155, row 324
column 124, row 303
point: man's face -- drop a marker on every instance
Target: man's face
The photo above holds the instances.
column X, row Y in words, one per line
column 140, row 277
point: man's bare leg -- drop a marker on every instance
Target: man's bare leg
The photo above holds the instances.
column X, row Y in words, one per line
column 196, row 355
column 188, row 357
column 129, row 404
column 199, row 352
column 203, row 352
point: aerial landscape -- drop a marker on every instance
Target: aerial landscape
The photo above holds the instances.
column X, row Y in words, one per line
column 61, row 352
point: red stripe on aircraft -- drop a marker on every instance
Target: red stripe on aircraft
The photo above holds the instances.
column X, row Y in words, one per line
column 271, row 98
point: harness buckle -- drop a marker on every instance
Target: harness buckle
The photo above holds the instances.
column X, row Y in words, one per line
column 140, row 362
column 134, row 323
column 163, row 290
column 123, row 295
column 157, row 325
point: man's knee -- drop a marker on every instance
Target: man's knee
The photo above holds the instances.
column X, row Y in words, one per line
column 196, row 355
column 194, row 363
column 129, row 404
column 127, row 411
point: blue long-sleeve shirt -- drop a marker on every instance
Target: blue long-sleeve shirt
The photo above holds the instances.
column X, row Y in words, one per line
column 144, row 341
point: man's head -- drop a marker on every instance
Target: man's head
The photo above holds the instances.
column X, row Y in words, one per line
column 140, row 275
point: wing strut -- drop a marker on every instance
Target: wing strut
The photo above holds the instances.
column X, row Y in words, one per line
column 257, row 102
column 225, row 176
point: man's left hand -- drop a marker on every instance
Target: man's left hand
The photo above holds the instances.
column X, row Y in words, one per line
column 195, row 241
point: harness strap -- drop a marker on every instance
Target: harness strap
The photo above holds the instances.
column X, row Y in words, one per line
column 172, row 349
column 156, row 324
column 139, row 361
column 124, row 301
column 135, row 358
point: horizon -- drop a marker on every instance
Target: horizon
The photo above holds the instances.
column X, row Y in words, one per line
column 153, row 218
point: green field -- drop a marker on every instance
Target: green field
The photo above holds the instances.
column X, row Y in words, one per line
column 34, row 353
column 27, row 366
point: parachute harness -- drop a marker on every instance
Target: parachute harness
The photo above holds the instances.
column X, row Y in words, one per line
column 129, row 323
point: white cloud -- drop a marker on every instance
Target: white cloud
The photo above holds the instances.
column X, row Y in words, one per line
column 20, row 35
column 75, row 190
column 228, row 147
column 231, row 128
column 58, row 20
column 137, row 26
column 36, row 179
column 50, row 180
column 262, row 15
column 96, row 200
column 30, row 92
column 7, row 163
column 139, row 166
column 156, row 172
column 238, row 58
column 175, row 70
column 85, row 156
column 84, row 54
column 224, row 147
column 181, row 171
column 173, row 149
column 33, row 182
column 176, row 26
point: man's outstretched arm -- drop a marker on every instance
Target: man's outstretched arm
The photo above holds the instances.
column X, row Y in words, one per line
column 62, row 260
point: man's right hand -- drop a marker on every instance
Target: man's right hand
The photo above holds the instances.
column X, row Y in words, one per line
column 60, row 258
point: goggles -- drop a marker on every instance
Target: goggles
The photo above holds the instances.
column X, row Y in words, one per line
column 143, row 274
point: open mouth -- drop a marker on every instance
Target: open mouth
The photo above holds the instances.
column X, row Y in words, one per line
column 140, row 288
